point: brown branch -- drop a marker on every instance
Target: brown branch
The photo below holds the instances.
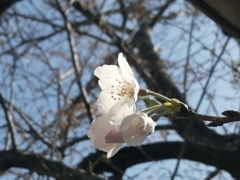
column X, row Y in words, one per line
column 75, row 60
column 9, row 121
column 162, row 9
column 124, row 13
column 40, row 165
column 32, row 130
column 71, row 143
column 211, row 72
column 230, row 116
column 221, row 158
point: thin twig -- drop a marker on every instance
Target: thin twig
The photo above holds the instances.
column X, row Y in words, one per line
column 211, row 73
column 26, row 119
column 212, row 174
column 180, row 155
column 188, row 57
column 75, row 60
column 9, row 121
column 159, row 15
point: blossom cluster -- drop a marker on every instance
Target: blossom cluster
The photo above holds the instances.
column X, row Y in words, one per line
column 119, row 121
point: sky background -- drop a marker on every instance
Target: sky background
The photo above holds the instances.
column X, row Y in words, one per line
column 171, row 39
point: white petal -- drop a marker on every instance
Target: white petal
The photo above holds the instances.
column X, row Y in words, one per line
column 107, row 71
column 110, row 85
column 136, row 127
column 117, row 115
column 110, row 107
column 127, row 122
column 98, row 130
column 114, row 136
column 104, row 102
column 114, row 150
column 149, row 125
column 101, row 125
column 134, row 140
column 102, row 86
column 126, row 70
column 118, row 107
column 135, row 86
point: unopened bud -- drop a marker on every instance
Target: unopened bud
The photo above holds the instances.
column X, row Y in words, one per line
column 143, row 92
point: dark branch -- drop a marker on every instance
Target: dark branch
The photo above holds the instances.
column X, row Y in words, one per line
column 230, row 116
column 158, row 16
column 220, row 158
column 9, row 121
column 6, row 4
column 224, row 13
column 40, row 165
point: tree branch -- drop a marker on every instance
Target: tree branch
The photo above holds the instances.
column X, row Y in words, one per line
column 230, row 116
column 218, row 157
column 40, row 165
column 9, row 121
column 162, row 9
column 224, row 13
column 75, row 59
column 6, row 4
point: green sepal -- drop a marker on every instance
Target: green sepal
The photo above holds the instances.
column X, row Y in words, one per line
column 149, row 102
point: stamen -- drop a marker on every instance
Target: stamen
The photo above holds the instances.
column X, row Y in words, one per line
column 121, row 90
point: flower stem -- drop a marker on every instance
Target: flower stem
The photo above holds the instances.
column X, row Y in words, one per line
column 160, row 96
column 152, row 109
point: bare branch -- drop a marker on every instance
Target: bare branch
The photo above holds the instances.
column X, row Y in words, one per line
column 37, row 163
column 211, row 72
column 75, row 61
column 161, row 10
column 230, row 116
column 168, row 150
column 27, row 120
column 9, row 120
column 212, row 174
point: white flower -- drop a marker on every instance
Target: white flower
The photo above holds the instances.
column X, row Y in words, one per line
column 97, row 132
column 109, row 137
column 119, row 88
column 136, row 127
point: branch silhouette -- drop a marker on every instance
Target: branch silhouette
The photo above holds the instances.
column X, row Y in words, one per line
column 229, row 116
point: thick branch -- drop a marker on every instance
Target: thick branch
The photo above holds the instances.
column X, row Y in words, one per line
column 40, row 165
column 224, row 13
column 127, row 157
column 230, row 116
column 9, row 121
column 6, row 4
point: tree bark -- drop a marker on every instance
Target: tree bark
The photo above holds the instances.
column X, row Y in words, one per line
column 221, row 158
column 39, row 164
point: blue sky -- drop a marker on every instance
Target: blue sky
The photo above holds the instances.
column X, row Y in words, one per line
column 170, row 37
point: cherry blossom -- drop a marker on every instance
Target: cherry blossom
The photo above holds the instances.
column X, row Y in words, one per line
column 119, row 88
column 99, row 128
column 107, row 136
column 136, row 128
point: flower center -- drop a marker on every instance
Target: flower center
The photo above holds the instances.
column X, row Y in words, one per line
column 138, row 125
column 121, row 90
column 138, row 128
